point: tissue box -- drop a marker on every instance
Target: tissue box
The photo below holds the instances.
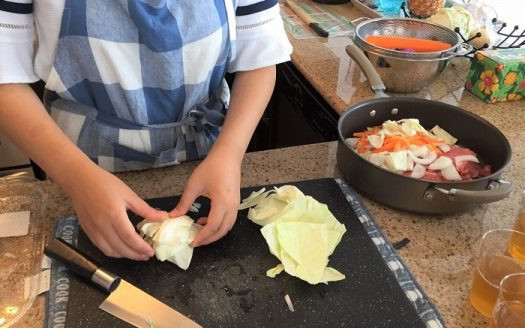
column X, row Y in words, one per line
column 497, row 75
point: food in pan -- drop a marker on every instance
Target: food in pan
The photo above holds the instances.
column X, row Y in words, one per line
column 171, row 238
column 301, row 232
column 407, row 148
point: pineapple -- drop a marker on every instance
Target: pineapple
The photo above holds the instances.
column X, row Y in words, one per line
column 425, row 8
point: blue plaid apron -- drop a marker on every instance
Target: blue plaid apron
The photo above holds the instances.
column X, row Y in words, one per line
column 140, row 84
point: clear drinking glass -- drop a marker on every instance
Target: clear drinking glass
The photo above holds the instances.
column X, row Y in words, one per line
column 493, row 263
column 517, row 244
column 509, row 311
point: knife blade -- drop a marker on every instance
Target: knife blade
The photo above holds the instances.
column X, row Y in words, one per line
column 125, row 301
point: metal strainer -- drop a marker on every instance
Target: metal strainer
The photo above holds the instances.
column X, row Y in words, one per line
column 401, row 71
column 410, row 28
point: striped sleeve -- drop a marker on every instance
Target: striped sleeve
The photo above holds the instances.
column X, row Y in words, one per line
column 17, row 38
column 260, row 36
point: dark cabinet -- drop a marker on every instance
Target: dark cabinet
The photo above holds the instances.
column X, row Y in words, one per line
column 296, row 114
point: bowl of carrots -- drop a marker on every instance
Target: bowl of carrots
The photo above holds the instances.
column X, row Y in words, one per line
column 408, row 54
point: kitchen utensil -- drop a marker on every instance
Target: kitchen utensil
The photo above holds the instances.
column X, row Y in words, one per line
column 412, row 194
column 307, row 18
column 403, row 71
column 226, row 284
column 406, row 27
column 493, row 263
column 125, row 301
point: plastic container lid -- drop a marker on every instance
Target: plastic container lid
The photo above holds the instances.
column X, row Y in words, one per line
column 20, row 256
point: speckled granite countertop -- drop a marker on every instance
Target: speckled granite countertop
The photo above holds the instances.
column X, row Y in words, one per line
column 440, row 254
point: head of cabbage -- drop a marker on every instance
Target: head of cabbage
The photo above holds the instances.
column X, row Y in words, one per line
column 171, row 238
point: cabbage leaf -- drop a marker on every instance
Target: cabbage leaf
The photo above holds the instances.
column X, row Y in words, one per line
column 171, row 238
column 301, row 232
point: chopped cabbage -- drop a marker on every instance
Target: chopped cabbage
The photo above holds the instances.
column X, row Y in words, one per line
column 444, row 135
column 352, row 141
column 273, row 272
column 377, row 159
column 397, row 161
column 301, row 232
column 268, row 204
column 453, row 17
column 171, row 238
column 376, row 140
column 411, row 126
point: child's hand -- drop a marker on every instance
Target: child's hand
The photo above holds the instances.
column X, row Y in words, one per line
column 217, row 178
column 101, row 200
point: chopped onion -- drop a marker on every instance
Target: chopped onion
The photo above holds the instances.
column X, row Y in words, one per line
column 440, row 163
column 419, row 151
column 418, row 171
column 462, row 158
column 410, row 163
column 450, row 173
column 429, row 158
column 444, row 147
column 289, row 302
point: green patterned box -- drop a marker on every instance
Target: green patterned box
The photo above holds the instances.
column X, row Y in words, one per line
column 497, row 75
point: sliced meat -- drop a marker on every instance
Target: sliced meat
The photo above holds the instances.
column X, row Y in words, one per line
column 467, row 170
column 485, row 171
column 457, row 150
column 433, row 176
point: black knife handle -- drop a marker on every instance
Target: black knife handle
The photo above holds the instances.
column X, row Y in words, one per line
column 81, row 264
column 319, row 30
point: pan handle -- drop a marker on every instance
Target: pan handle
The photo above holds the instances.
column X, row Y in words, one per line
column 496, row 190
column 376, row 84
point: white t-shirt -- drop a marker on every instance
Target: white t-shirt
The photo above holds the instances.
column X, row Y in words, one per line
column 28, row 41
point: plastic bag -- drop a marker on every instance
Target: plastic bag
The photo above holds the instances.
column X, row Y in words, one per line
column 482, row 15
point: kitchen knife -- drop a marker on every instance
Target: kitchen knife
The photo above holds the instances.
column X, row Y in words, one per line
column 125, row 301
column 307, row 19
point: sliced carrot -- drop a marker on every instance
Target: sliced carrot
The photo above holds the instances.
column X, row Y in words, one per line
column 396, row 142
column 398, row 42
